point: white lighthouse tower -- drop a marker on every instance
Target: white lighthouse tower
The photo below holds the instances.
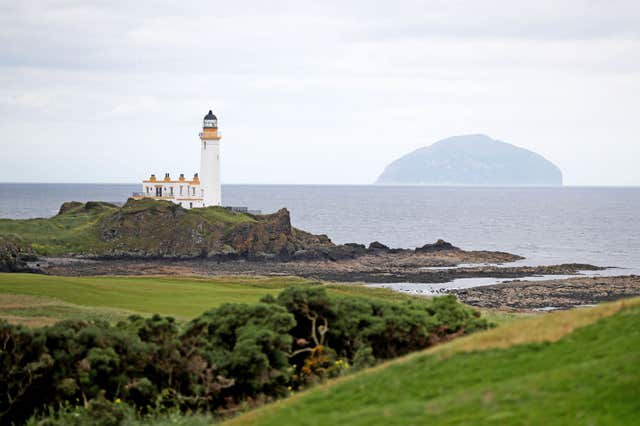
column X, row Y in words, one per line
column 201, row 191
column 210, row 162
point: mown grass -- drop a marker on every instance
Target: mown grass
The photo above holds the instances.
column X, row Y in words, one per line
column 179, row 297
column 182, row 297
column 575, row 367
column 38, row 311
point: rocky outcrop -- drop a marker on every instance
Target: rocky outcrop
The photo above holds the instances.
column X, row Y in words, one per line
column 440, row 245
column 159, row 229
column 378, row 246
column 76, row 206
column 14, row 255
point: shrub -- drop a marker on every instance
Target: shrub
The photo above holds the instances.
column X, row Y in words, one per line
column 232, row 356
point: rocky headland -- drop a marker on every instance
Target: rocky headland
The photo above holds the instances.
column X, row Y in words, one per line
column 150, row 231
column 147, row 237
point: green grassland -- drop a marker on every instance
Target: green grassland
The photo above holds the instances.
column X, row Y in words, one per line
column 34, row 299
column 574, row 367
column 180, row 297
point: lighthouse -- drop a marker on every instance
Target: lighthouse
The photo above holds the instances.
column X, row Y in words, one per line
column 203, row 190
column 210, row 161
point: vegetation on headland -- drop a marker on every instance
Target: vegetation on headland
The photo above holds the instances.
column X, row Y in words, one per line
column 150, row 228
column 229, row 358
column 573, row 367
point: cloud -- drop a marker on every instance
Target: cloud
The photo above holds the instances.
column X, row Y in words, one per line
column 338, row 88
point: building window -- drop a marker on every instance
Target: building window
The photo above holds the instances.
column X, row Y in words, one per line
column 193, row 192
column 180, row 189
column 190, row 205
column 171, row 190
column 158, row 191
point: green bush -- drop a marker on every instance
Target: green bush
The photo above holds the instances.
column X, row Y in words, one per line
column 233, row 356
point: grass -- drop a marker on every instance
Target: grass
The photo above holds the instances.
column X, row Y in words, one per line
column 180, row 297
column 220, row 214
column 38, row 311
column 574, row 367
column 71, row 232
column 43, row 299
column 77, row 230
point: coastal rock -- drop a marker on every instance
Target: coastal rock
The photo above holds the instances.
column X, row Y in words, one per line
column 161, row 229
column 15, row 255
column 551, row 294
column 378, row 246
column 440, row 245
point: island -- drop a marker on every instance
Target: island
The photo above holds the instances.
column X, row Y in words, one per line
column 472, row 160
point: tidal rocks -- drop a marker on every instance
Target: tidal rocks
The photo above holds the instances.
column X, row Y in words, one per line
column 440, row 245
column 378, row 246
column 551, row 294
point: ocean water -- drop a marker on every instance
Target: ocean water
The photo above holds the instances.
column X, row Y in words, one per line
column 546, row 225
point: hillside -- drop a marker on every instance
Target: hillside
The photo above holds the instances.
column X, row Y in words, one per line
column 574, row 367
column 472, row 160
column 153, row 229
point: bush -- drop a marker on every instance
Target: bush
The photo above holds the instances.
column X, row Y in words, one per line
column 232, row 356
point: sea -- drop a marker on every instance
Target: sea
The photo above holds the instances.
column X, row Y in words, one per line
column 597, row 225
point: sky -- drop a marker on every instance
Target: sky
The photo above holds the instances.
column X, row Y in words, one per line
column 322, row 92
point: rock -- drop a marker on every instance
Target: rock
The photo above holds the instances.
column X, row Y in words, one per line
column 70, row 206
column 378, row 246
column 440, row 245
column 14, row 255
column 161, row 229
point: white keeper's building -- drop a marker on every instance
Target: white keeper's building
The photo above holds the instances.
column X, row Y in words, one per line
column 203, row 189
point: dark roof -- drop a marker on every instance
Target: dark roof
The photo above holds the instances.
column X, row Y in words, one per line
column 210, row 116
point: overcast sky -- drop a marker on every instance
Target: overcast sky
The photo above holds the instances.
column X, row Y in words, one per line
column 313, row 91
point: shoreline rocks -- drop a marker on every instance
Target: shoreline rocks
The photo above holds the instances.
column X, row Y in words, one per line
column 551, row 294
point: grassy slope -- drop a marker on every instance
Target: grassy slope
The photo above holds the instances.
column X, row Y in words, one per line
column 590, row 376
column 75, row 230
column 70, row 232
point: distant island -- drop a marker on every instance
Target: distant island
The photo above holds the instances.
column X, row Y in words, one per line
column 472, row 160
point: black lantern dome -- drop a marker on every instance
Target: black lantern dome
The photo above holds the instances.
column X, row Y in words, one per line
column 210, row 120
